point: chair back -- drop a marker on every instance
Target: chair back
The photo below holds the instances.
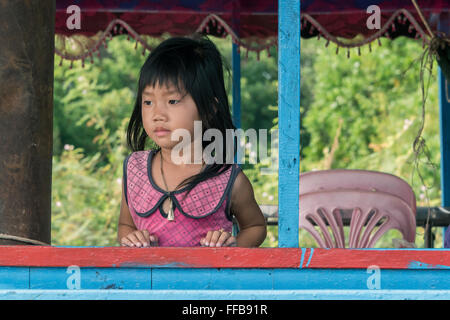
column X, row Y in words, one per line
column 377, row 201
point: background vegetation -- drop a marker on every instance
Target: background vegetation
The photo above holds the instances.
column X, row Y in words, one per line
column 361, row 112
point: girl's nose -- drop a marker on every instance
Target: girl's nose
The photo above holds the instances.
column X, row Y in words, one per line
column 159, row 112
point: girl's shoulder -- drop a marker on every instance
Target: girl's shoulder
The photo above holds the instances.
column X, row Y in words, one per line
column 139, row 155
column 142, row 153
column 137, row 161
column 242, row 190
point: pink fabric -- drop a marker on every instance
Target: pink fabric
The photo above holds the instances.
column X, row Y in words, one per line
column 206, row 206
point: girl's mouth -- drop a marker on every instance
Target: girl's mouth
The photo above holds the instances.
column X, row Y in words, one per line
column 159, row 132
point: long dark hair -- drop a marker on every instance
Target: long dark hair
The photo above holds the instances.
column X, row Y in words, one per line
column 195, row 66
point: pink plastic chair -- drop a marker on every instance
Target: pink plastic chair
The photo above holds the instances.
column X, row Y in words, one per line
column 378, row 202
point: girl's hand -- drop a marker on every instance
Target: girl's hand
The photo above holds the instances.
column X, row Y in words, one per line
column 139, row 238
column 218, row 238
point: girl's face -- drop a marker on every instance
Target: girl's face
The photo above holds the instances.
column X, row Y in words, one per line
column 165, row 109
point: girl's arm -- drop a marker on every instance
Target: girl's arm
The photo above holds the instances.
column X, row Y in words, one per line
column 127, row 233
column 126, row 224
column 252, row 224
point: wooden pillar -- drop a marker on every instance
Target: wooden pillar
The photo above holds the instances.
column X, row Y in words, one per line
column 26, row 120
column 288, row 121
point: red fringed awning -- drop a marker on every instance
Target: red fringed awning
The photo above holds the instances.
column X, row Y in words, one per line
column 251, row 24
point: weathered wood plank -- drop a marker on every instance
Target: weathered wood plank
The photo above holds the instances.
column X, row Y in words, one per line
column 14, row 277
column 204, row 279
column 289, row 121
column 149, row 257
column 383, row 258
column 74, row 277
column 372, row 278
column 263, row 258
column 361, row 279
column 225, row 294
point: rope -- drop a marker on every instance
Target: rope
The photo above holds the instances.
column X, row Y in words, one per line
column 426, row 64
column 22, row 239
column 423, row 18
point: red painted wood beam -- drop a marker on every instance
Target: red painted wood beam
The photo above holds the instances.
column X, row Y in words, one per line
column 149, row 257
column 384, row 259
column 37, row 256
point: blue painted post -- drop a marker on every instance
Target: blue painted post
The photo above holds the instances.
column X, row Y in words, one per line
column 444, row 230
column 444, row 110
column 236, row 68
column 288, row 121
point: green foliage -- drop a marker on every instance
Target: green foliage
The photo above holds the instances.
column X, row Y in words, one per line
column 91, row 103
column 362, row 112
column 85, row 200
column 377, row 98
column 365, row 113
column 91, row 110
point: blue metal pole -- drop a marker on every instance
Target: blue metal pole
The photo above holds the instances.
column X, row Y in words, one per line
column 236, row 66
column 236, row 69
column 444, row 122
column 289, row 121
column 444, row 109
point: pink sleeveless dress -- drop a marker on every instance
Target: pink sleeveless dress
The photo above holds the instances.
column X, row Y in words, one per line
column 206, row 207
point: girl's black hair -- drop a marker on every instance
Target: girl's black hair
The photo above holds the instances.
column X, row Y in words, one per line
column 194, row 66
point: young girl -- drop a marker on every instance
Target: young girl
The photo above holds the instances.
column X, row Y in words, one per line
column 192, row 203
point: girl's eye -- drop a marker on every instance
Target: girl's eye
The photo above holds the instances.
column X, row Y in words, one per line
column 174, row 101
column 147, row 103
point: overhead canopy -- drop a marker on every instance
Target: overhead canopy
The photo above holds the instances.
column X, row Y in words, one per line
column 251, row 24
